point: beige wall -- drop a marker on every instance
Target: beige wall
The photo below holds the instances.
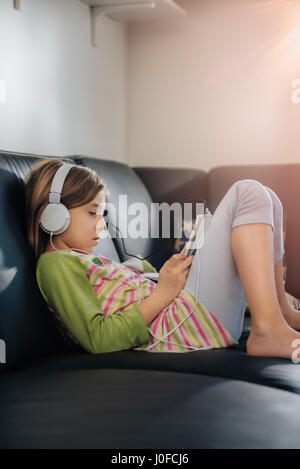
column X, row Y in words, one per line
column 214, row 87
column 211, row 88
column 63, row 96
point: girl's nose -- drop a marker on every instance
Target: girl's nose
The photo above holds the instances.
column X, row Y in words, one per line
column 101, row 225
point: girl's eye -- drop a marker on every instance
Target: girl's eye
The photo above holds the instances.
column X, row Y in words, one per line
column 105, row 213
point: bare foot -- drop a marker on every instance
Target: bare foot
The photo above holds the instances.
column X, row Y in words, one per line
column 275, row 342
column 292, row 316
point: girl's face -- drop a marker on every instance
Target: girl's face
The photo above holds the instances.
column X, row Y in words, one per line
column 86, row 224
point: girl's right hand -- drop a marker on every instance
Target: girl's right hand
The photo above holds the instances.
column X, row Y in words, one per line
column 172, row 276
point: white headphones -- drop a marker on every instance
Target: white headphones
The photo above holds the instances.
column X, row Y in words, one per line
column 55, row 217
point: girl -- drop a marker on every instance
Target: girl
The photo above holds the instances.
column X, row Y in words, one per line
column 104, row 306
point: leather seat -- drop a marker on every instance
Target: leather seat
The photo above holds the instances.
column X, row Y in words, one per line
column 54, row 397
column 121, row 408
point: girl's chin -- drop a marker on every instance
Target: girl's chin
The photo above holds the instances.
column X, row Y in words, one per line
column 86, row 249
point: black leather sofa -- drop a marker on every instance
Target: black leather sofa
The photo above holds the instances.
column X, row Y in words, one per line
column 55, row 397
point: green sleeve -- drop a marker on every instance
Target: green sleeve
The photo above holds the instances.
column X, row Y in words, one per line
column 148, row 267
column 64, row 284
column 142, row 265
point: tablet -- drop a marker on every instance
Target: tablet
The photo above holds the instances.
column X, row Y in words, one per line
column 196, row 240
column 151, row 275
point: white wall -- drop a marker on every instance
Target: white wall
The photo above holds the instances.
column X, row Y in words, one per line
column 208, row 89
column 214, row 87
column 63, row 96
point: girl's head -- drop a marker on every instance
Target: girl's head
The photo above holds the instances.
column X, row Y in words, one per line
column 84, row 194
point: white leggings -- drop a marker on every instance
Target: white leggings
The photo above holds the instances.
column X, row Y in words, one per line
column 220, row 288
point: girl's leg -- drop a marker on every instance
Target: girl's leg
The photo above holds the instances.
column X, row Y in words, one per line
column 220, row 288
column 291, row 315
column 270, row 334
column 237, row 262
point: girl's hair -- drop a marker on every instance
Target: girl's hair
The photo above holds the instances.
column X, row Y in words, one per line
column 80, row 187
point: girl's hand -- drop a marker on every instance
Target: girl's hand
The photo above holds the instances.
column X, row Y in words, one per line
column 172, row 276
column 183, row 250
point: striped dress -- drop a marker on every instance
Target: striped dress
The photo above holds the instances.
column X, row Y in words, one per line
column 119, row 285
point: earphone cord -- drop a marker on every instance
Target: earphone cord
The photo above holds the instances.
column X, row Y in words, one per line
column 153, row 252
column 162, row 339
column 170, row 332
column 129, row 254
column 195, row 298
column 90, row 253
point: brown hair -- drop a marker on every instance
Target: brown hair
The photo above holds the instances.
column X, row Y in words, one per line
column 80, row 187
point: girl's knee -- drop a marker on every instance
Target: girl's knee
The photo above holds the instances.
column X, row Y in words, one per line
column 276, row 201
column 252, row 190
column 248, row 183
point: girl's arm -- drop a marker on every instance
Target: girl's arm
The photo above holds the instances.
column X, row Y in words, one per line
column 152, row 306
column 63, row 282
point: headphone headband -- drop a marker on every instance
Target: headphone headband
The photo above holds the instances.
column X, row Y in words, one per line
column 55, row 217
column 58, row 182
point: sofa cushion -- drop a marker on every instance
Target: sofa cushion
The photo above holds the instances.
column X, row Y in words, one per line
column 231, row 362
column 107, row 408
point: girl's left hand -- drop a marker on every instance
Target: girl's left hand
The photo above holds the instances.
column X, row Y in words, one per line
column 183, row 250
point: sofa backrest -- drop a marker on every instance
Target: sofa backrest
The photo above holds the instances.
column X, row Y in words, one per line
column 25, row 323
column 124, row 181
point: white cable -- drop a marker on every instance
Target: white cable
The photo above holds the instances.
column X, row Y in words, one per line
column 91, row 253
column 170, row 332
column 162, row 339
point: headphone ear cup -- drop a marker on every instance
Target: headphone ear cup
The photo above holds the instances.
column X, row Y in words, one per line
column 55, row 219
